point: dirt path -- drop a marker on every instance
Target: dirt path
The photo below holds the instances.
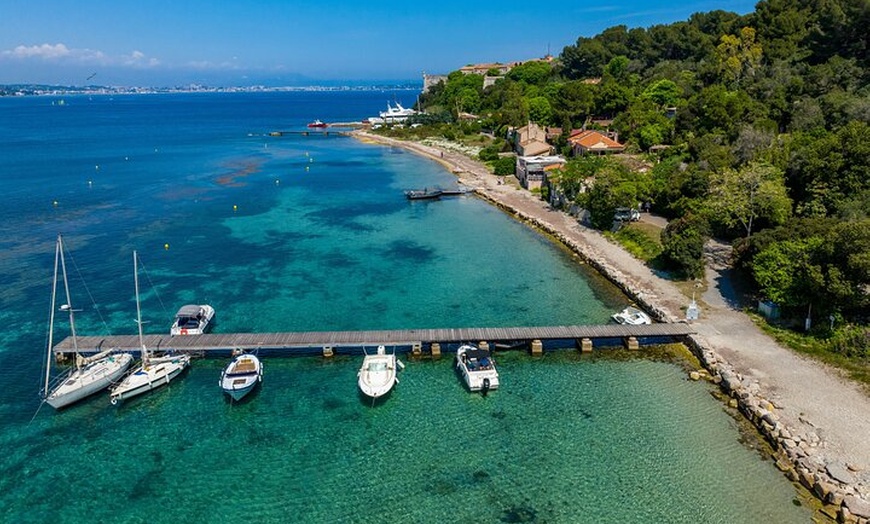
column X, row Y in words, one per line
column 830, row 412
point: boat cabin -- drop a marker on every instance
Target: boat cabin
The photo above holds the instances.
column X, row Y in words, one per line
column 477, row 360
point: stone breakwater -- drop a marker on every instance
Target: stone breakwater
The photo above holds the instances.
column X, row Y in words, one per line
column 799, row 455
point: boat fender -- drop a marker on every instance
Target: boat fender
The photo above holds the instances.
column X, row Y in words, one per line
column 399, row 364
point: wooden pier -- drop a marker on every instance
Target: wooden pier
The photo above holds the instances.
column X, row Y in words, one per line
column 407, row 340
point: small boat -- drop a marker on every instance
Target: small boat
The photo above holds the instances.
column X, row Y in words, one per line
column 631, row 316
column 377, row 376
column 317, row 123
column 455, row 192
column 477, row 368
column 90, row 374
column 423, row 194
column 192, row 319
column 241, row 376
column 152, row 372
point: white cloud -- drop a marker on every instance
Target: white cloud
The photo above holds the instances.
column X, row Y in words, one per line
column 46, row 51
column 62, row 53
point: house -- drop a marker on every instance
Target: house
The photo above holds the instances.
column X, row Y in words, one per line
column 531, row 170
column 482, row 69
column 583, row 142
column 531, row 140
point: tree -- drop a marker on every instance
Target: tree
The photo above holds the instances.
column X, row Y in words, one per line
column 540, row 110
column 683, row 245
column 664, row 93
column 756, row 191
column 738, row 56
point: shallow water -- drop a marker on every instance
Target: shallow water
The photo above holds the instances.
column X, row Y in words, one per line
column 310, row 233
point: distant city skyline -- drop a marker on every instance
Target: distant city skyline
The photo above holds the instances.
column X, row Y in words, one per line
column 272, row 42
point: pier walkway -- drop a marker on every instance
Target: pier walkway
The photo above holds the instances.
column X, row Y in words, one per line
column 413, row 340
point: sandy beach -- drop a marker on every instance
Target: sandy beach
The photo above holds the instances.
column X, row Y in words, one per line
column 825, row 415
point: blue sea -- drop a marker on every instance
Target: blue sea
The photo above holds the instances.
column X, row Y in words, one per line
column 313, row 233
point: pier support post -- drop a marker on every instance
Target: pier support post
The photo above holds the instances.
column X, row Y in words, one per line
column 632, row 344
column 586, row 345
column 537, row 348
column 327, row 351
column 483, row 345
column 436, row 350
column 416, row 349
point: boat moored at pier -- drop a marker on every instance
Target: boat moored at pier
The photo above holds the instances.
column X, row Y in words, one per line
column 192, row 319
column 241, row 376
column 631, row 316
column 377, row 376
column 477, row 368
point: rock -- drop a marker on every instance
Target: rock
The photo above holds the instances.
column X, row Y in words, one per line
column 823, row 489
column 852, row 467
column 845, row 516
column 858, row 507
column 783, row 464
column 732, row 403
column 694, row 375
column 807, row 479
column 835, row 498
column 840, row 473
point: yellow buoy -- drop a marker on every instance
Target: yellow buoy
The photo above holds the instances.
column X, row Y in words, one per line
column 235, row 207
column 166, row 246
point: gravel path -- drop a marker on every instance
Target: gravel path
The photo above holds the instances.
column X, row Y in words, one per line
column 808, row 396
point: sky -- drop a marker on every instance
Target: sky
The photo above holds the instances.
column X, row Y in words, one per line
column 164, row 43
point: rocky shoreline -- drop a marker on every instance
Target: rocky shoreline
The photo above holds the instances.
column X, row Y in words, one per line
column 844, row 488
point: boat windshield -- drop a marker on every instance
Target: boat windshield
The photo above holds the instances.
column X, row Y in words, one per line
column 378, row 366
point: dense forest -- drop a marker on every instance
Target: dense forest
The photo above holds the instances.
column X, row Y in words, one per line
column 762, row 123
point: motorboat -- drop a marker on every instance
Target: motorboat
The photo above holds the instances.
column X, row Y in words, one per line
column 317, row 124
column 152, row 372
column 241, row 376
column 477, row 368
column 377, row 376
column 192, row 319
column 423, row 194
column 89, row 374
column 631, row 316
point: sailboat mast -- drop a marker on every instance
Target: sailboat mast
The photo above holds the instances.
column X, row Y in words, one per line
column 57, row 252
column 72, row 321
column 138, row 309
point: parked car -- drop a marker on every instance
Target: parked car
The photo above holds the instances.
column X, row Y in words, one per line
column 626, row 214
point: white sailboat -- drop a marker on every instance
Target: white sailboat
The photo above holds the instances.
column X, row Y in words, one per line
column 152, row 372
column 90, row 374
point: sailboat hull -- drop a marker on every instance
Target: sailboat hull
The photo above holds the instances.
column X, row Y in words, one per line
column 143, row 379
column 86, row 381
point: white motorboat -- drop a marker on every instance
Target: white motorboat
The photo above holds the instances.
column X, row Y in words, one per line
column 152, row 372
column 631, row 316
column 377, row 376
column 192, row 319
column 477, row 368
column 241, row 376
column 90, row 374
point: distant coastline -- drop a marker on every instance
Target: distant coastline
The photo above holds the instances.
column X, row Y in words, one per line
column 58, row 90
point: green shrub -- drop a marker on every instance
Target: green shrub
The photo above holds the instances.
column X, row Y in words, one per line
column 505, row 166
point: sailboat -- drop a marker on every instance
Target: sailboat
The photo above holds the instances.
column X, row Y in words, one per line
column 152, row 372
column 90, row 374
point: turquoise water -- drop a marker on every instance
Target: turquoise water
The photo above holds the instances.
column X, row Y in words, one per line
column 304, row 233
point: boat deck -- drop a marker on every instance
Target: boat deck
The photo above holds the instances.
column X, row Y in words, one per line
column 308, row 342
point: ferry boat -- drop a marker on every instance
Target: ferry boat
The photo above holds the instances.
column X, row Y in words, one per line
column 477, row 368
column 192, row 319
column 631, row 316
column 317, row 123
column 241, row 376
